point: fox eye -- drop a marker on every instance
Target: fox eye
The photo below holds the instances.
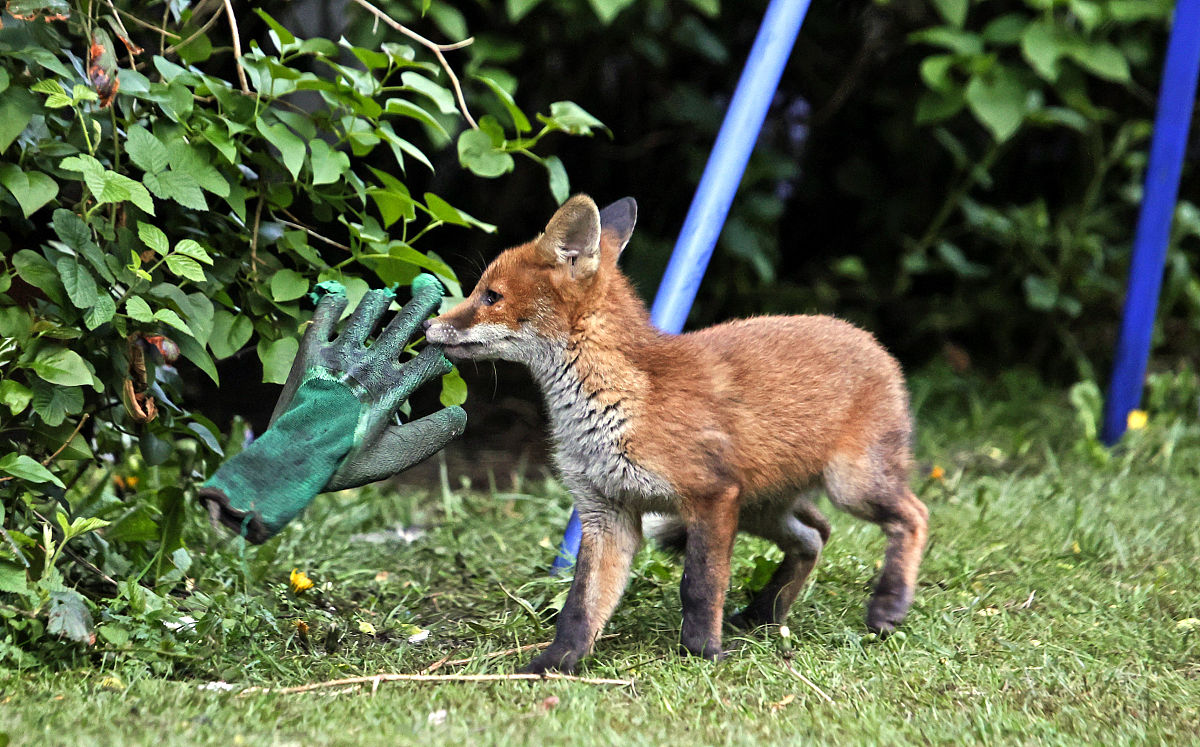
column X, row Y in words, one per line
column 490, row 297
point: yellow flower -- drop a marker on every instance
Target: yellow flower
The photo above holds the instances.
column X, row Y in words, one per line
column 937, row 473
column 1136, row 420
column 300, row 581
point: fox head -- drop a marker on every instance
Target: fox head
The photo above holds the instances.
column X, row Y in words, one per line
column 528, row 296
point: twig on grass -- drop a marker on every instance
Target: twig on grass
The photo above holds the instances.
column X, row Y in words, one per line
column 495, row 654
column 237, row 47
column 446, row 662
column 808, row 682
column 437, row 50
column 375, row 679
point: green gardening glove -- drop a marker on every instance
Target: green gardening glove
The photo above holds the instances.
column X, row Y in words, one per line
column 332, row 426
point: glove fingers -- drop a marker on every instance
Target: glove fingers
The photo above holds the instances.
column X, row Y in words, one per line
column 365, row 317
column 398, row 448
column 318, row 334
column 430, row 364
column 427, row 294
column 325, row 318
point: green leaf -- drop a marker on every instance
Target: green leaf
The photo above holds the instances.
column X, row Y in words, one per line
column 997, row 99
column 187, row 160
column 1040, row 293
column 185, row 266
column 277, row 357
column 440, row 95
column 193, row 249
column 68, row 617
column 173, row 185
column 328, row 164
column 607, row 10
column 32, row 189
column 517, row 9
column 145, row 150
column 12, row 579
column 17, row 108
column 1101, row 59
column 153, row 237
column 560, row 184
column 954, row 11
column 171, row 319
column 71, row 229
column 28, row 469
column 935, row 71
column 195, row 353
column 571, row 117
column 61, row 366
column 138, row 310
column 454, row 389
column 1041, row 46
column 447, row 213
column 288, row 285
column 1006, row 29
column 230, row 333
column 407, row 108
column 54, row 403
column 35, row 270
column 57, row 97
column 14, row 395
column 962, row 42
column 476, row 152
column 101, row 313
column 520, row 121
column 291, row 148
column 78, row 282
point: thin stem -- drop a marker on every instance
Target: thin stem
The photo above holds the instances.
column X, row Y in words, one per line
column 207, row 25
column 237, row 47
column 437, row 50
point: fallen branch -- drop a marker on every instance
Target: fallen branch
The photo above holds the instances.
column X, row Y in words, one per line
column 446, row 662
column 495, row 654
column 375, row 679
column 437, row 50
column 808, row 682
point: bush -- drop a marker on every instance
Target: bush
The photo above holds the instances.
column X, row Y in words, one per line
column 161, row 215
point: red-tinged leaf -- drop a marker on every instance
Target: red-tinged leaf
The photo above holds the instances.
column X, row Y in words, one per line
column 102, row 68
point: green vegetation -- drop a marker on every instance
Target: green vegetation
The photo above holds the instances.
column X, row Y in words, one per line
column 158, row 218
column 1058, row 604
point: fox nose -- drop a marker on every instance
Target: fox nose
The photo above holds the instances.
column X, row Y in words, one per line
column 425, row 324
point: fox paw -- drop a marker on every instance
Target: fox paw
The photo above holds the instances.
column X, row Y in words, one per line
column 886, row 611
column 551, row 660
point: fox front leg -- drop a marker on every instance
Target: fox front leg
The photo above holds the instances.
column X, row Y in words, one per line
column 610, row 539
column 712, row 522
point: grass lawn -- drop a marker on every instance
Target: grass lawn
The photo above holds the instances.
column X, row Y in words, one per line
column 1057, row 605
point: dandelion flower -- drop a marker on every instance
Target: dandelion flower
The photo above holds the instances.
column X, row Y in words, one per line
column 300, row 581
column 937, row 473
column 1137, row 420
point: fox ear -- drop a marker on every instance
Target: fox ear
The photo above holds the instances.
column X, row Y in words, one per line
column 616, row 224
column 572, row 237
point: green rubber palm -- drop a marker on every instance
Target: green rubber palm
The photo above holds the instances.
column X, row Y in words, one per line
column 332, row 427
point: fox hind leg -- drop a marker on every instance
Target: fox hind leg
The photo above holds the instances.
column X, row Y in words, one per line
column 873, row 485
column 800, row 531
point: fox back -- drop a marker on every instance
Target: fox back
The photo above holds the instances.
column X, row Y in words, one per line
column 722, row 428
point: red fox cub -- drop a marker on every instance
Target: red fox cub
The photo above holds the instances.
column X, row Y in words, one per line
column 725, row 428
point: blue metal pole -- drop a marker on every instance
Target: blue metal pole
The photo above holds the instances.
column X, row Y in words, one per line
column 722, row 174
column 1175, row 100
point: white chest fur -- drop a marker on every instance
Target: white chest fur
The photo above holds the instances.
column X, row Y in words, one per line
column 590, row 421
